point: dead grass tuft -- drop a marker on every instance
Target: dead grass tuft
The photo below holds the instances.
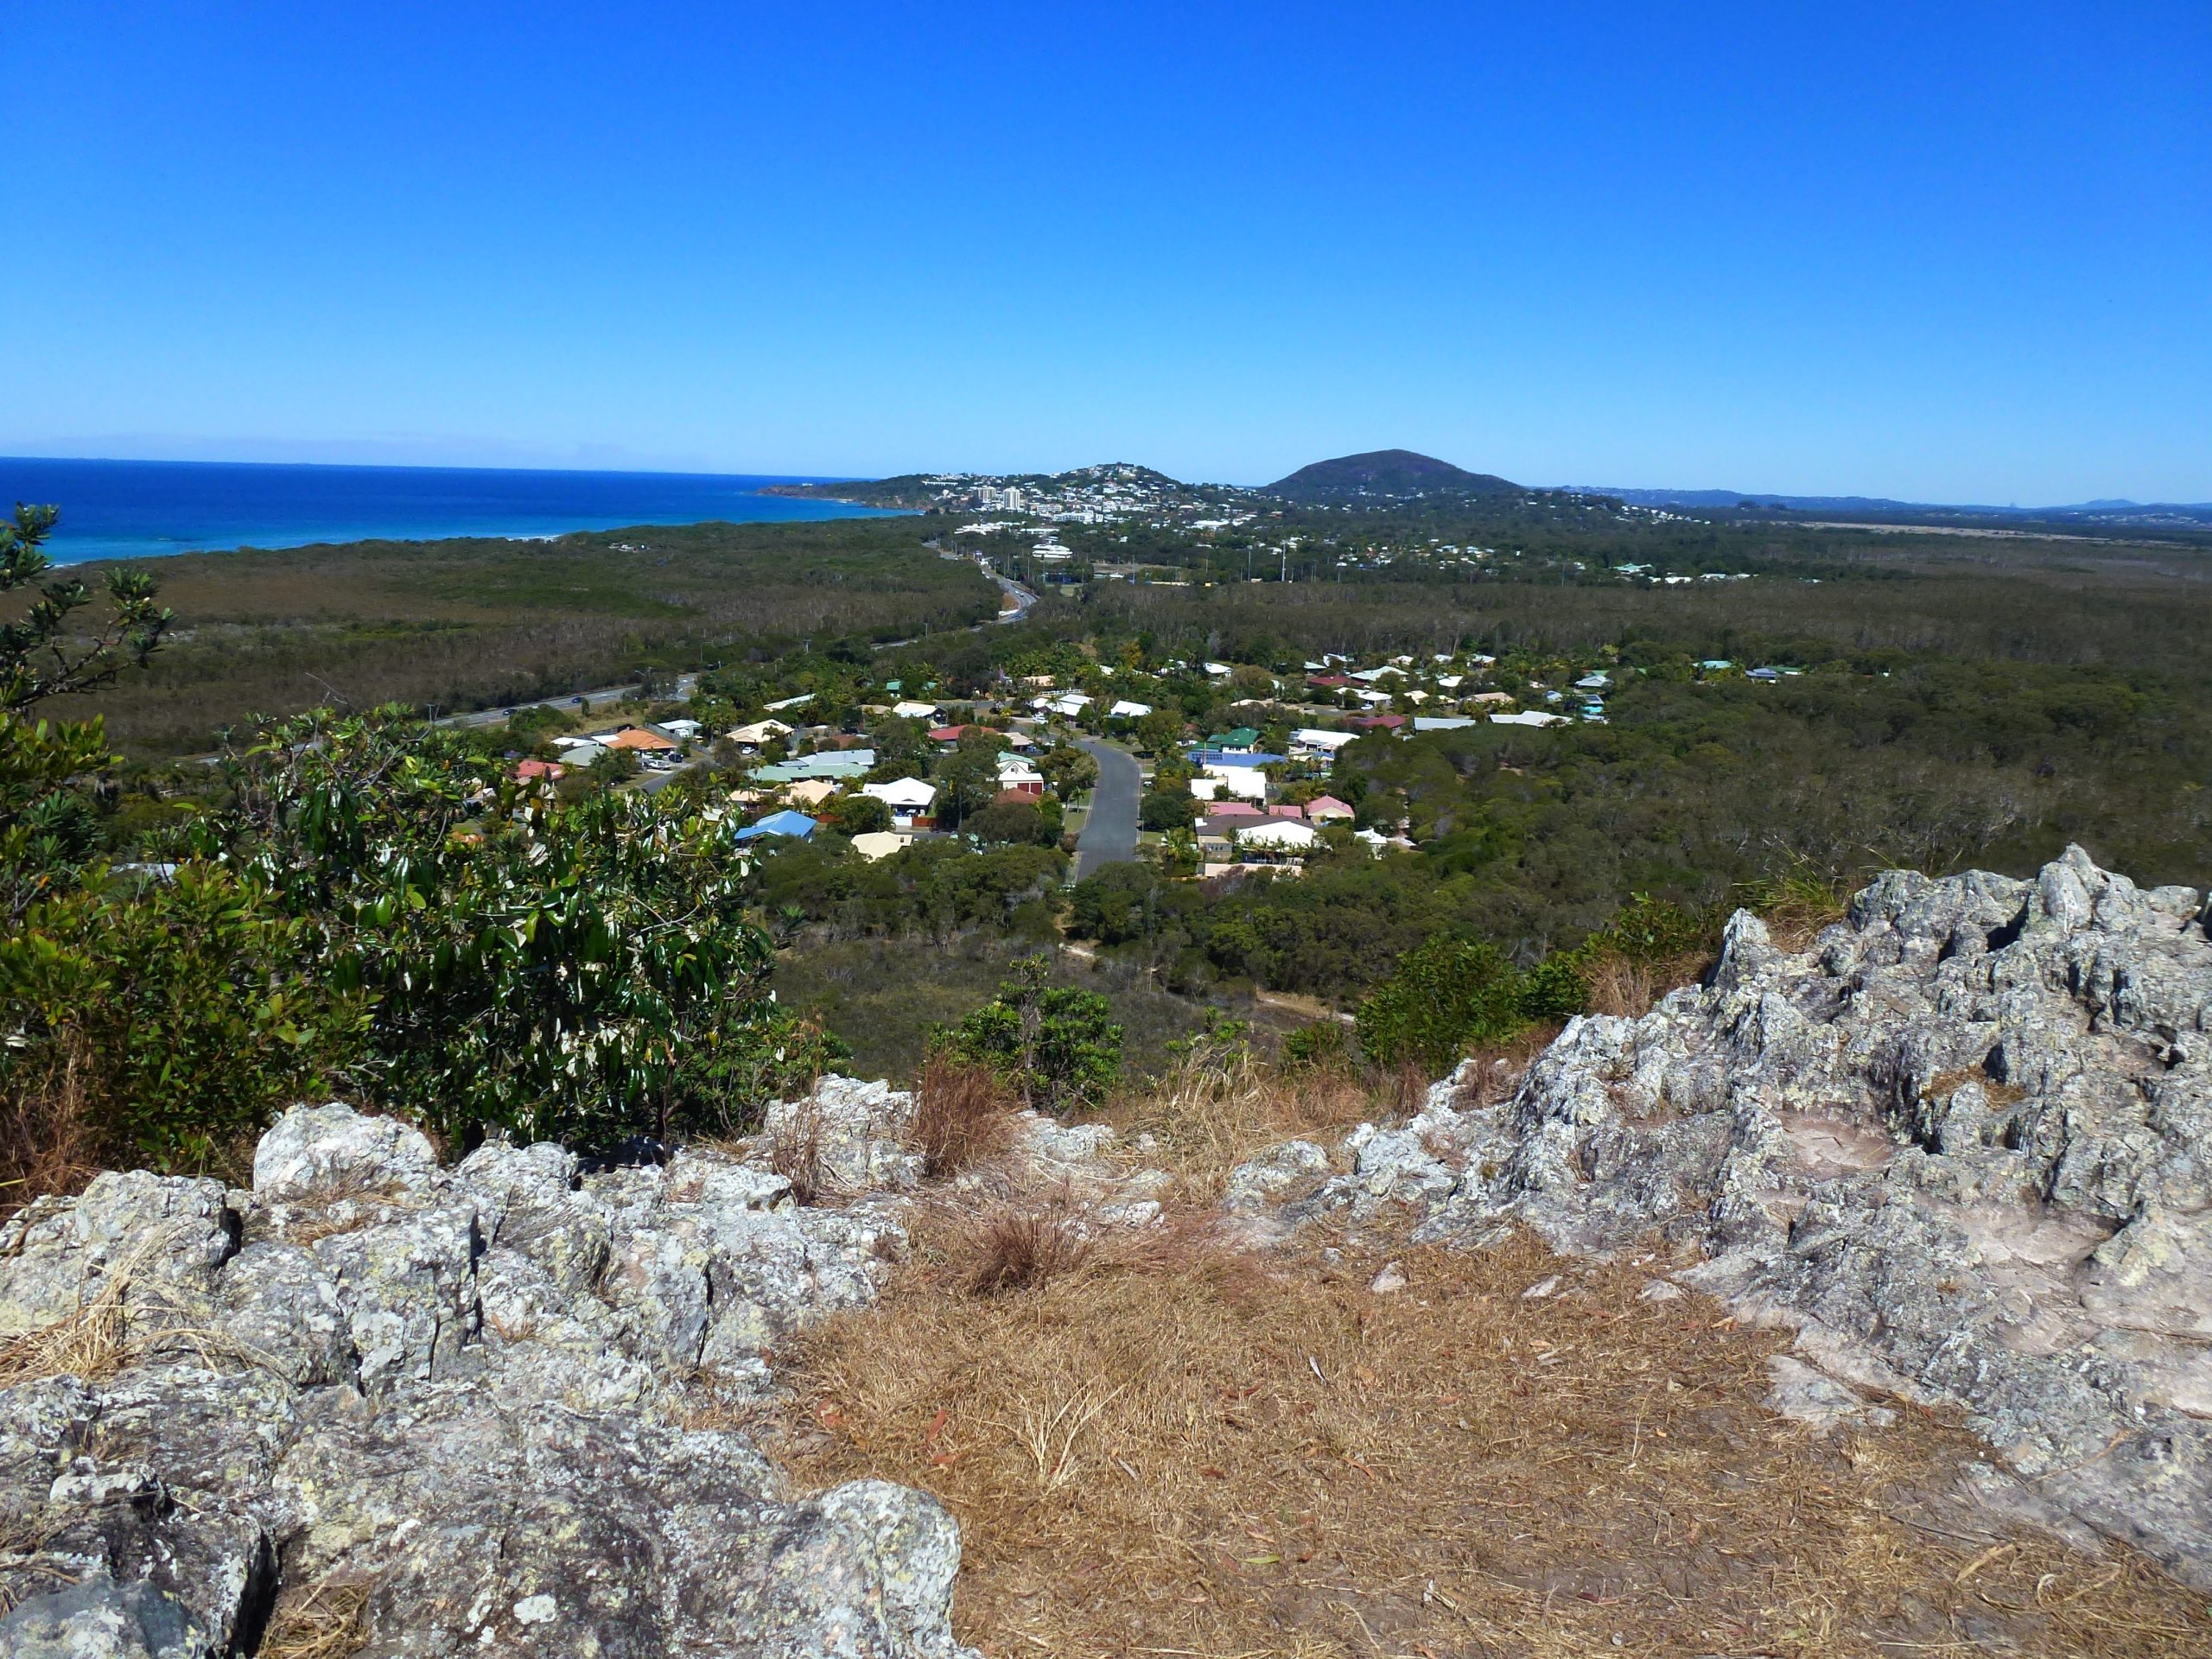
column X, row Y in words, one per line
column 1025, row 1249
column 1628, row 991
column 323, row 1620
column 796, row 1153
column 1167, row 1447
column 93, row 1341
column 1217, row 1105
column 47, row 1140
column 963, row 1115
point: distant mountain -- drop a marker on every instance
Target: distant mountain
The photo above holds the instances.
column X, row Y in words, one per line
column 1389, row 473
column 2105, row 512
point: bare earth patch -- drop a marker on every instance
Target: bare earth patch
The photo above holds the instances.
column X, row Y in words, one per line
column 1169, row 1446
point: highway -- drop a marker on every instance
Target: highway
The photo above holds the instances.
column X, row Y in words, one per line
column 584, row 700
column 1110, row 834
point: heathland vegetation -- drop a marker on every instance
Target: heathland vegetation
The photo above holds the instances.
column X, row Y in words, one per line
column 359, row 902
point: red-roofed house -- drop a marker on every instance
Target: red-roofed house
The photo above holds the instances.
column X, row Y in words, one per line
column 1327, row 809
column 1285, row 810
column 1377, row 723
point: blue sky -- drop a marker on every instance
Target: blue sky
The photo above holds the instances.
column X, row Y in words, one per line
column 1945, row 252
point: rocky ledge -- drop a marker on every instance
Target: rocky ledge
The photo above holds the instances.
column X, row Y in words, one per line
column 411, row 1410
column 1962, row 1145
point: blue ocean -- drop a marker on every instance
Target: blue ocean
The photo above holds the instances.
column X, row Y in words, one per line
column 143, row 509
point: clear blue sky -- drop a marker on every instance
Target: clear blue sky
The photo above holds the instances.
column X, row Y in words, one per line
column 1950, row 252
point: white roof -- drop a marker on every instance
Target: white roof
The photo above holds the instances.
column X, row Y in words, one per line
column 1127, row 711
column 799, row 701
column 1246, row 783
column 1534, row 717
column 760, row 732
column 1314, row 737
column 1286, row 833
column 906, row 709
column 1218, row 668
column 879, row 843
column 902, row 792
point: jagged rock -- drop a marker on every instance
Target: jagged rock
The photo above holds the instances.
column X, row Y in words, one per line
column 1273, row 1176
column 154, row 1239
column 1962, row 1145
column 854, row 1132
column 479, row 1394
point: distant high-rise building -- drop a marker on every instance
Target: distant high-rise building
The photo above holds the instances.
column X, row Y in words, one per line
column 1012, row 499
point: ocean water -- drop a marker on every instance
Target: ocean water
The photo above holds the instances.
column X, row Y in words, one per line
column 143, row 509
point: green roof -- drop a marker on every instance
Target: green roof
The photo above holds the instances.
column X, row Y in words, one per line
column 1242, row 737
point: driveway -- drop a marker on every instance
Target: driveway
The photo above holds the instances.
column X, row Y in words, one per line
column 1110, row 834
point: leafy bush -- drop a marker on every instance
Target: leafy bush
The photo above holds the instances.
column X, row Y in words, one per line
column 1057, row 1047
column 1448, row 997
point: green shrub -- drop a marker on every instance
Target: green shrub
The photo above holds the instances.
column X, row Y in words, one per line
column 1057, row 1047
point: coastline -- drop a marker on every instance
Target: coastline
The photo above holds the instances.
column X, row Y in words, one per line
column 129, row 511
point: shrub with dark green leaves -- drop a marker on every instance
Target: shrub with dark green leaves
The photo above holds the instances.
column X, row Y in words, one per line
column 1056, row 1046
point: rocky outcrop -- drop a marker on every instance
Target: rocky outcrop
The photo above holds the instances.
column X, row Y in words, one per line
column 1962, row 1145
column 479, row 1410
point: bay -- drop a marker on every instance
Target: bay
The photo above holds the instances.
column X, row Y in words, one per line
column 144, row 508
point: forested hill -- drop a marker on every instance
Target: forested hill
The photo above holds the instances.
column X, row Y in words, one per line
column 1394, row 472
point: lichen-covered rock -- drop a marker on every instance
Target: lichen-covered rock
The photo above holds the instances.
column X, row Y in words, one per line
column 1963, row 1145
column 475, row 1395
column 165, row 1236
column 853, row 1133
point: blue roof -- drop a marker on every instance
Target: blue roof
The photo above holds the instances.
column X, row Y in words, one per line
column 785, row 822
column 1222, row 758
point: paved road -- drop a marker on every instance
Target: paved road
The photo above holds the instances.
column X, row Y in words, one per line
column 1110, row 834
column 585, row 701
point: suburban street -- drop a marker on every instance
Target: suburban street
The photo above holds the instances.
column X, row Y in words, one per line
column 1110, row 834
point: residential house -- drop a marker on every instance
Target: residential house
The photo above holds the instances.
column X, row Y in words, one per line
column 907, row 709
column 811, row 792
column 875, row 844
column 1327, row 809
column 796, row 825
column 909, row 799
column 840, row 765
column 1311, row 742
column 1127, row 711
column 1378, row 723
column 759, row 734
column 1534, row 717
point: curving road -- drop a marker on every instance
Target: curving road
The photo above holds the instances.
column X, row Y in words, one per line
column 1110, row 834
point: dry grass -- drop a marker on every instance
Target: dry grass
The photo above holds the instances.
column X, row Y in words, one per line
column 1023, row 1249
column 127, row 1319
column 1170, row 1450
column 963, row 1115
column 1161, row 1444
column 93, row 1341
column 46, row 1143
column 797, row 1153
column 1217, row 1105
column 1628, row 991
column 321, row 1620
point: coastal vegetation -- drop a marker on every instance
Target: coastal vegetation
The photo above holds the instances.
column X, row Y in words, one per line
column 359, row 900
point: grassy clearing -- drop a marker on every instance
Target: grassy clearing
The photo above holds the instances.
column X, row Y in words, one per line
column 1158, row 1444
